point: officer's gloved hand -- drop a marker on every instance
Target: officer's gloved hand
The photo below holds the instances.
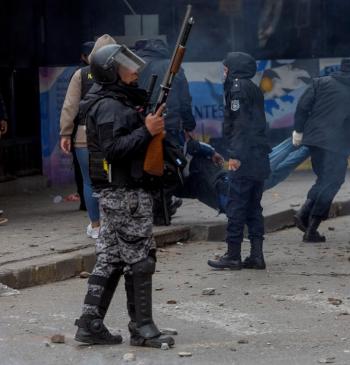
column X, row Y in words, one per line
column 297, row 138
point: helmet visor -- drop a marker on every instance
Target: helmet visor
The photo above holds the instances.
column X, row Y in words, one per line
column 128, row 59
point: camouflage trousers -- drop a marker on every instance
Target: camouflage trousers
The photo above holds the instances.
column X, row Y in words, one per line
column 125, row 238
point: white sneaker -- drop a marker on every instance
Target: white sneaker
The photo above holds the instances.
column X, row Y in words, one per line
column 92, row 232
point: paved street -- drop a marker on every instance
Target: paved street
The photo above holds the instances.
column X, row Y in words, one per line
column 295, row 313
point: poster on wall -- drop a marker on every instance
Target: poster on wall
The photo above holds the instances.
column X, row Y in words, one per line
column 282, row 82
column 57, row 166
column 205, row 83
column 329, row 65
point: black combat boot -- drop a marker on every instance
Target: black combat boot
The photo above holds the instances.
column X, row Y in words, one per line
column 256, row 258
column 92, row 331
column 301, row 217
column 230, row 260
column 143, row 331
column 311, row 234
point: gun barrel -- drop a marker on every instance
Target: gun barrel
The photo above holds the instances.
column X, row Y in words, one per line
column 177, row 56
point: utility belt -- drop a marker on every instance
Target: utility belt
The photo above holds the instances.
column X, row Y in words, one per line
column 103, row 173
column 99, row 169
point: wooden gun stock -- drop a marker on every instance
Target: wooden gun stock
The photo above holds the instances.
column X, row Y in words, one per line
column 154, row 160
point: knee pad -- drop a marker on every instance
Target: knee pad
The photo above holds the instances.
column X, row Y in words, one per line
column 146, row 266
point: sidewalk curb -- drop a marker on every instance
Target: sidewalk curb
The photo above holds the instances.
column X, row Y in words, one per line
column 274, row 222
column 65, row 266
column 217, row 231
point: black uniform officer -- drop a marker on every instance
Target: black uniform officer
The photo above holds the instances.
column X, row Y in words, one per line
column 322, row 122
column 179, row 115
column 244, row 130
column 118, row 135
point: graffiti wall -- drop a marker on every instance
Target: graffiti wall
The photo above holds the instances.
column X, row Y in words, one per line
column 57, row 166
column 282, row 82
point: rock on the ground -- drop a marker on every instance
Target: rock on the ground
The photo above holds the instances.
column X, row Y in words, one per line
column 327, row 360
column 208, row 291
column 84, row 275
column 171, row 301
column 243, row 341
column 58, row 338
column 6, row 291
column 335, row 301
column 129, row 357
column 185, row 354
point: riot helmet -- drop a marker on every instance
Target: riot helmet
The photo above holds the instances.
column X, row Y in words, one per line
column 105, row 62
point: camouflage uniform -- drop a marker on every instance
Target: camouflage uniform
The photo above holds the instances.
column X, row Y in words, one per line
column 125, row 237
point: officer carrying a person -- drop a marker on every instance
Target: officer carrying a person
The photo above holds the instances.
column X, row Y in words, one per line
column 118, row 135
column 322, row 123
column 245, row 132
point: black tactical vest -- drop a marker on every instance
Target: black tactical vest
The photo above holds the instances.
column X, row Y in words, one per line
column 86, row 80
column 86, row 83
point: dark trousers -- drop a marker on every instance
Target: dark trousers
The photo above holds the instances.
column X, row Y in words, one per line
column 330, row 169
column 78, row 179
column 244, row 208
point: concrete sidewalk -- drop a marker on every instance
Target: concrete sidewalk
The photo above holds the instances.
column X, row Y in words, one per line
column 46, row 241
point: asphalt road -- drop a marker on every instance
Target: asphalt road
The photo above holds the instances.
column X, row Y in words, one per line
column 295, row 313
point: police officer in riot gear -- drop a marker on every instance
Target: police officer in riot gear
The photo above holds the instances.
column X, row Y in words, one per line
column 244, row 130
column 118, row 136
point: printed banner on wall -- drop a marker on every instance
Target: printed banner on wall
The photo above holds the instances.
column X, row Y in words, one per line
column 282, row 82
column 329, row 65
column 205, row 82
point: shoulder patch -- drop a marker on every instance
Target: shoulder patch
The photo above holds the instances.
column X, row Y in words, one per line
column 235, row 105
column 236, row 86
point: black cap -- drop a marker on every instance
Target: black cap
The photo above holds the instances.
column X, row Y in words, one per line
column 87, row 47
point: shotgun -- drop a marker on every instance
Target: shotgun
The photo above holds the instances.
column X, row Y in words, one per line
column 154, row 159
